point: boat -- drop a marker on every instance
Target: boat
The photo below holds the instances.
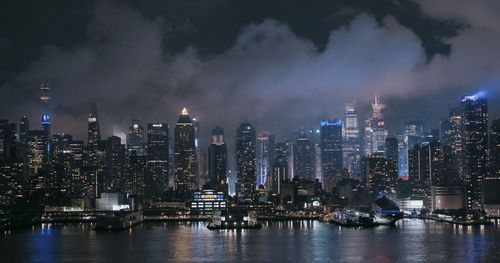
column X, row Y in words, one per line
column 118, row 220
column 234, row 219
column 386, row 211
column 349, row 217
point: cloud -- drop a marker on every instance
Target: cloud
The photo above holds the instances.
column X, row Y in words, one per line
column 269, row 76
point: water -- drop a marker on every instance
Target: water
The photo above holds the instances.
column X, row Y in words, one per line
column 411, row 240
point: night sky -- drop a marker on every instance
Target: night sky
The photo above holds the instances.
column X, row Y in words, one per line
column 278, row 64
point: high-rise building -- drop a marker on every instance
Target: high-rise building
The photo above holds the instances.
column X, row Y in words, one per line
column 331, row 152
column 475, row 122
column 412, row 134
column 157, row 174
column 495, row 149
column 133, row 183
column 452, row 134
column 246, row 163
column 185, row 158
column 136, row 138
column 24, row 127
column 46, row 124
column 202, row 177
column 351, row 122
column 280, row 166
column 115, row 163
column 94, row 135
column 380, row 174
column 352, row 140
column 378, row 126
column 217, row 160
column 265, row 151
column 7, row 140
column 391, row 148
column 36, row 157
column 303, row 154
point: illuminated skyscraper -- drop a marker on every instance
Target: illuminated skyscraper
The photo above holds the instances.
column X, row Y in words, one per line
column 452, row 134
column 246, row 163
column 36, row 157
column 381, row 174
column 157, row 173
column 185, row 154
column 352, row 140
column 351, row 121
column 495, row 148
column 303, row 154
column 24, row 127
column 217, row 160
column 115, row 164
column 94, row 135
column 265, row 150
column 46, row 124
column 375, row 131
column 136, row 138
column 475, row 147
column 412, row 134
column 280, row 166
column 331, row 152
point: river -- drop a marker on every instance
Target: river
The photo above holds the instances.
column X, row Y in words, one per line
column 411, row 240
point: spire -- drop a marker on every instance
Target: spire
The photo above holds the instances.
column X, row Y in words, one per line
column 184, row 118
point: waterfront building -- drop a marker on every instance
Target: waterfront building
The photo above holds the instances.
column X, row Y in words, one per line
column 246, row 163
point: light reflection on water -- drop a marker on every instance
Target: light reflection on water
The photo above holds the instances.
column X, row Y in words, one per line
column 411, row 240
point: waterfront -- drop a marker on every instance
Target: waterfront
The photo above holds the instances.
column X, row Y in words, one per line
column 412, row 240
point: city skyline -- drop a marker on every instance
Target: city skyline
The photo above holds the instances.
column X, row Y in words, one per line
column 316, row 76
column 250, row 131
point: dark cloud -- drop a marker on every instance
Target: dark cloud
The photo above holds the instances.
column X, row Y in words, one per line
column 278, row 68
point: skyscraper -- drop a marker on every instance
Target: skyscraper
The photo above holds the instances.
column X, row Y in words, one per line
column 351, row 121
column 136, row 138
column 157, row 173
column 217, row 160
column 495, row 148
column 201, row 160
column 475, row 147
column 246, row 162
column 352, row 140
column 24, row 127
column 115, row 163
column 412, row 134
column 303, row 154
column 331, row 152
column 452, row 134
column 375, row 132
column 36, row 157
column 381, row 174
column 280, row 166
column 7, row 140
column 265, row 150
column 94, row 135
column 185, row 154
column 391, row 148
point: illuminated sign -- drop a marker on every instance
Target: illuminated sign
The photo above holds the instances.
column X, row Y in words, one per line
column 157, row 125
column 380, row 123
column 92, row 119
column 45, row 118
column 331, row 123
